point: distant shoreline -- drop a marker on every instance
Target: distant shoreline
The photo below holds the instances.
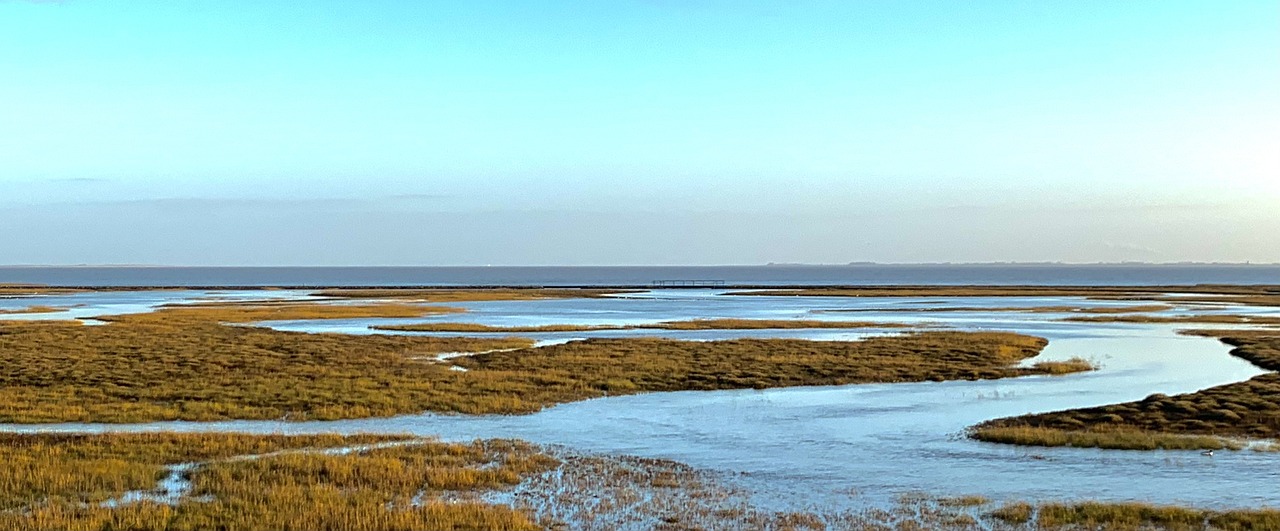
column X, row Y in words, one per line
column 632, row 266
column 643, row 277
column 1204, row 288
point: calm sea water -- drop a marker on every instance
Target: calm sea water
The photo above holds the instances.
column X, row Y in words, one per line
column 1082, row 275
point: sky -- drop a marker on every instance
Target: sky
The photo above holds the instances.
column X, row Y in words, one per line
column 581, row 132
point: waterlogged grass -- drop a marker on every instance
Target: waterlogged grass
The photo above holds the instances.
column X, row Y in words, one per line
column 467, row 295
column 257, row 311
column 472, row 328
column 759, row 324
column 1018, row 291
column 1209, row 419
column 944, row 291
column 1143, row 308
column 1178, row 319
column 1120, row 516
column 183, row 364
column 1257, row 295
column 59, row 481
column 33, row 309
column 75, row 468
column 1069, row 366
column 694, row 324
column 1114, row 439
column 386, row 482
column 24, row 290
column 1014, row 513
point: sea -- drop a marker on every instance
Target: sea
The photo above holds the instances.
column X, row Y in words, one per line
column 648, row 276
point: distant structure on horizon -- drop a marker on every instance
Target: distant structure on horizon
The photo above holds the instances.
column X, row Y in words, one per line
column 687, row 283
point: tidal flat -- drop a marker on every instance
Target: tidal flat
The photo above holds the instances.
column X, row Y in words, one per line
column 679, row 427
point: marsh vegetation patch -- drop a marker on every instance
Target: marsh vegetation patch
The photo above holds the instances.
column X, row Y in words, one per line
column 186, row 363
column 1206, row 419
column 61, row 481
column 691, row 324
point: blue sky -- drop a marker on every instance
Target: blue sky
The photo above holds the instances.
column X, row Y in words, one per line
column 638, row 131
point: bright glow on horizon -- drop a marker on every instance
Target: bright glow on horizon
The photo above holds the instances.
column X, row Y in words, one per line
column 638, row 131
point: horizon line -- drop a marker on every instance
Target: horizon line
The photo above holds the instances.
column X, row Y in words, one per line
column 768, row 264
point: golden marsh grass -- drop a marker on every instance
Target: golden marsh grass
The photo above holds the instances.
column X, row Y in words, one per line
column 466, row 295
column 33, row 309
column 1178, row 319
column 252, row 312
column 1206, row 419
column 183, row 364
column 1255, row 295
column 693, row 324
column 59, row 481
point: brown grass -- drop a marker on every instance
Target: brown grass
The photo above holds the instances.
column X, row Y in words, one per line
column 143, row 370
column 1113, row 439
column 33, row 309
column 57, row 482
column 180, row 363
column 277, row 311
column 24, row 290
column 1254, row 295
column 1179, row 319
column 1203, row 419
column 467, row 295
column 482, row 328
column 1017, row 291
column 80, row 468
column 596, row 367
column 1144, row 308
column 1099, row 515
column 1070, row 366
column 694, row 324
column 758, row 324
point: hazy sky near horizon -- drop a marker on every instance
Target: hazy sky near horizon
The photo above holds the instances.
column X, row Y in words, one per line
column 403, row 132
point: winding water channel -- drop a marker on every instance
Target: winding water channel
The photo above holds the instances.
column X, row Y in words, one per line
column 842, row 446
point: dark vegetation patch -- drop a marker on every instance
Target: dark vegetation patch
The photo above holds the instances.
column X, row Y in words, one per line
column 1249, row 409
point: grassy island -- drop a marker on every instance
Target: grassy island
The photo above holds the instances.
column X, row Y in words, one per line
column 199, row 363
column 33, row 310
column 693, row 324
column 1213, row 418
